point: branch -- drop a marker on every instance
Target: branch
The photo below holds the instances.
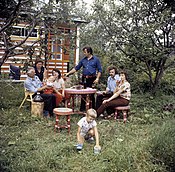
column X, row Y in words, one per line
column 12, row 17
column 23, row 41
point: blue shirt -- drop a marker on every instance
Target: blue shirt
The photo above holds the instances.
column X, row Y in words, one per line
column 111, row 83
column 32, row 84
column 89, row 66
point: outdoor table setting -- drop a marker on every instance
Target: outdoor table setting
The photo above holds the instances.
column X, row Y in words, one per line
column 76, row 92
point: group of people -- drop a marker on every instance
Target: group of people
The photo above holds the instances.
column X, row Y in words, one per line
column 117, row 92
column 51, row 89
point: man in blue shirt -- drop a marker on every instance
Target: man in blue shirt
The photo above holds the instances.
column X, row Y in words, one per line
column 91, row 72
column 33, row 84
column 111, row 86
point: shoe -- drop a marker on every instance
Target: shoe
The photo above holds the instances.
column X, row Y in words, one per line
column 45, row 113
column 79, row 147
column 91, row 139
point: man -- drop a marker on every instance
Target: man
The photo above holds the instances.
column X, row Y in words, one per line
column 111, row 86
column 33, row 84
column 91, row 72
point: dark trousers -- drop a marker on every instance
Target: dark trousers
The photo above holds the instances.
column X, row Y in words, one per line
column 89, row 83
column 119, row 101
column 101, row 97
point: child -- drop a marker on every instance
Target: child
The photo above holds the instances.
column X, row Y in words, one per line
column 52, row 90
column 87, row 127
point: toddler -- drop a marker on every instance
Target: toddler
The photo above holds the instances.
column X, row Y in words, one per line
column 87, row 128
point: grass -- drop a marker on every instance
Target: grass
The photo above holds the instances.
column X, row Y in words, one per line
column 30, row 145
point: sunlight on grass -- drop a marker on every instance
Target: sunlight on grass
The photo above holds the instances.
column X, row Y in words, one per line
column 31, row 145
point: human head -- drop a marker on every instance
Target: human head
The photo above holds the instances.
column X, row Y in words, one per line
column 112, row 71
column 123, row 75
column 31, row 72
column 88, row 50
column 51, row 79
column 91, row 115
column 56, row 73
column 38, row 63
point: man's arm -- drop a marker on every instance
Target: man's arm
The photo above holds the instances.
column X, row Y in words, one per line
column 70, row 72
column 98, row 77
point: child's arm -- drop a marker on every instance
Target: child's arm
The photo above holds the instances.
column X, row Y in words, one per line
column 79, row 138
column 96, row 136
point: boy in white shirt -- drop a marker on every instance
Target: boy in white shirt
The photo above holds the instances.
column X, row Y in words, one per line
column 87, row 126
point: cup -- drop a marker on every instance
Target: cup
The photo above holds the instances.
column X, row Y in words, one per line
column 97, row 150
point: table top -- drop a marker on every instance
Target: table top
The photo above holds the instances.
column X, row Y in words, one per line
column 80, row 91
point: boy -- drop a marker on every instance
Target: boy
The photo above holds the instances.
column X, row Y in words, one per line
column 87, row 128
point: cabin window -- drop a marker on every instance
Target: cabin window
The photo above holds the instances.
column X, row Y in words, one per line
column 56, row 49
column 22, row 31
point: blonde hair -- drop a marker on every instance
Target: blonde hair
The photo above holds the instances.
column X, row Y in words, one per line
column 92, row 113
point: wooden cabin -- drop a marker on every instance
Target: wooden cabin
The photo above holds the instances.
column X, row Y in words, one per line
column 60, row 46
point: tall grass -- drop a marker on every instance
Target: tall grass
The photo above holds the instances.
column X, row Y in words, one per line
column 30, row 144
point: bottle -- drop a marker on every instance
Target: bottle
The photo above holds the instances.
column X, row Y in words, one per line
column 38, row 98
column 85, row 84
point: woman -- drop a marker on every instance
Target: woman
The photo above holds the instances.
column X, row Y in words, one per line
column 121, row 97
column 40, row 71
column 58, row 84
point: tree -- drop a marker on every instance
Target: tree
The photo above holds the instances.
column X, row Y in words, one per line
column 141, row 31
column 34, row 13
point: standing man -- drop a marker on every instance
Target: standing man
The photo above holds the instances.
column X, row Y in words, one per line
column 112, row 81
column 91, row 72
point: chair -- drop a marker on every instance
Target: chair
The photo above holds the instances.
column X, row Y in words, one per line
column 28, row 97
column 124, row 110
column 62, row 112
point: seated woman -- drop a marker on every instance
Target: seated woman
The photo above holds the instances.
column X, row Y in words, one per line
column 59, row 83
column 121, row 97
column 52, row 90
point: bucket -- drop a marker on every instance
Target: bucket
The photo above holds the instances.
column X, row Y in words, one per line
column 37, row 109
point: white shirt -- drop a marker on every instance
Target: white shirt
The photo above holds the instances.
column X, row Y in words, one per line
column 85, row 126
column 58, row 83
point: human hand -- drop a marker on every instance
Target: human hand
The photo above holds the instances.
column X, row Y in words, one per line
column 96, row 81
column 105, row 101
column 66, row 74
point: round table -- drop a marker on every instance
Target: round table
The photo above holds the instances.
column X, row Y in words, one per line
column 72, row 93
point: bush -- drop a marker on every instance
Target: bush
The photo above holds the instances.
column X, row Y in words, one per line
column 163, row 145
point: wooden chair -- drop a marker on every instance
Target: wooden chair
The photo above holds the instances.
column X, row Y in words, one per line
column 28, row 97
column 124, row 110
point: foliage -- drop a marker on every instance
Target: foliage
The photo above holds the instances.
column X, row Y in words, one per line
column 136, row 35
column 30, row 144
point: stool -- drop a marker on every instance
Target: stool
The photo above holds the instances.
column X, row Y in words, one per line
column 62, row 112
column 124, row 110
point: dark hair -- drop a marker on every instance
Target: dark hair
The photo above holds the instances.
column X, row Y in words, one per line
column 38, row 61
column 124, row 72
column 89, row 50
column 58, row 71
column 111, row 68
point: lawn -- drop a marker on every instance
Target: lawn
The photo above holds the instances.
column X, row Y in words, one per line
column 144, row 144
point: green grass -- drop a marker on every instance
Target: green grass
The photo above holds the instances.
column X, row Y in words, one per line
column 30, row 145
